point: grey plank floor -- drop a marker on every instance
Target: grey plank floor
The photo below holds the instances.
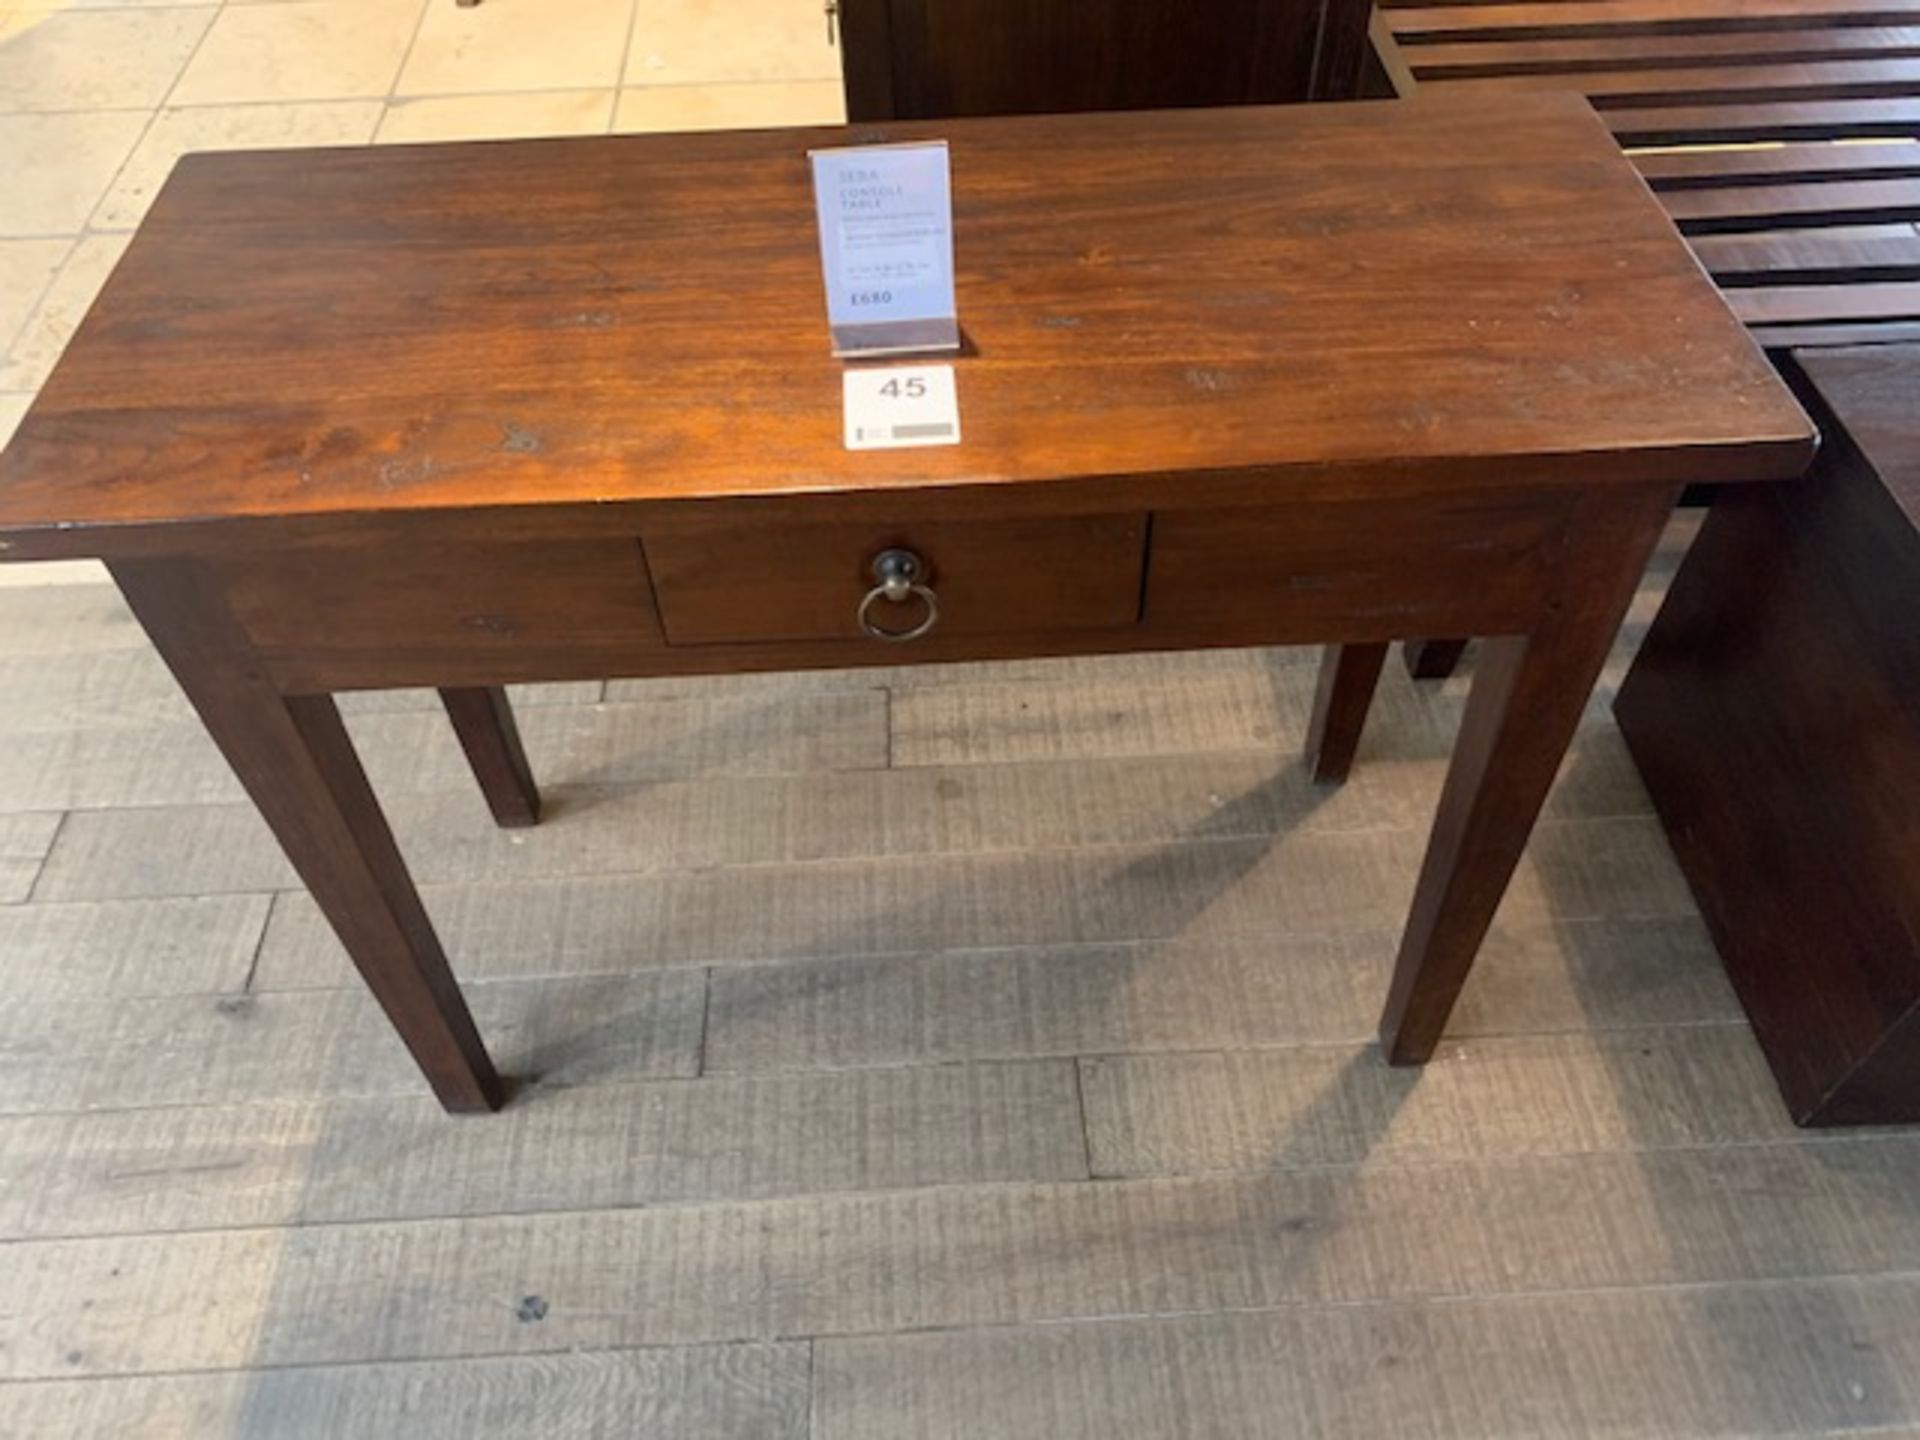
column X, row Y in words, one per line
column 960, row 1052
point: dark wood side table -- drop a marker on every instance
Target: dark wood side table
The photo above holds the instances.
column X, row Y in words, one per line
column 462, row 415
column 1774, row 711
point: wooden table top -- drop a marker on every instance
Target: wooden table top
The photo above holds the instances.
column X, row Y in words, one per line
column 1470, row 289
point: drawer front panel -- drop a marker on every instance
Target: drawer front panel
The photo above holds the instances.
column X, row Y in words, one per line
column 487, row 601
column 1474, row 565
column 736, row 585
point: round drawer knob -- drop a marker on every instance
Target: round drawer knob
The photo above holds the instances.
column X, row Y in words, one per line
column 898, row 574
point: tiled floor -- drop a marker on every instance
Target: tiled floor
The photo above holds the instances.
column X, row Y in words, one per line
column 98, row 98
column 974, row 1053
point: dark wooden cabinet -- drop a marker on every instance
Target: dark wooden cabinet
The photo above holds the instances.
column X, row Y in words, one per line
column 929, row 59
column 1774, row 712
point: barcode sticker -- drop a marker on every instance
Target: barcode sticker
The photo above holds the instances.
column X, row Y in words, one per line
column 900, row 405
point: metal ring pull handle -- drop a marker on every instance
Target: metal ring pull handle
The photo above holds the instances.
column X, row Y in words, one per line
column 899, row 574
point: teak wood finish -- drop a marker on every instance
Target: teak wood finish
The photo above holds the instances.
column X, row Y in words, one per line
column 459, row 415
column 1774, row 712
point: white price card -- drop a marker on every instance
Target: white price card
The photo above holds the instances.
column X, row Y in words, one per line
column 901, row 405
column 886, row 247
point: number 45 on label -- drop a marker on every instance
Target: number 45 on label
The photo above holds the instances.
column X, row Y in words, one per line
column 901, row 405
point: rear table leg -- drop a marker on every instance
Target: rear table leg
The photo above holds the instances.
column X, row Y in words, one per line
column 483, row 719
column 1432, row 659
column 1348, row 674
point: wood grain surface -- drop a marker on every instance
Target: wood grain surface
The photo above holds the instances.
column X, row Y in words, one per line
column 1348, row 298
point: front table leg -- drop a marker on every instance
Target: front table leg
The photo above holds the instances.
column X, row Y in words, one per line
column 1528, row 693
column 295, row 759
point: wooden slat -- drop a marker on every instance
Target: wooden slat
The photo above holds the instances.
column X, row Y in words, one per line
column 1786, row 337
column 1836, row 256
column 1766, row 207
column 721, row 1392
column 1826, row 1357
column 1818, row 304
column 1265, row 1109
column 576, row 1147
column 1387, row 50
column 123, row 1054
column 1573, row 18
column 957, row 1255
column 1571, row 58
column 1784, row 120
column 24, row 843
column 1718, row 84
column 1777, row 164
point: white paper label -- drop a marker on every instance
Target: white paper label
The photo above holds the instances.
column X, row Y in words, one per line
column 901, row 405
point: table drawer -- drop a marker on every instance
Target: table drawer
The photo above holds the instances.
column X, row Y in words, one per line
column 738, row 584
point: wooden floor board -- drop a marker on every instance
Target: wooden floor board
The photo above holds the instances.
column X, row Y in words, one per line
column 720, row 1392
column 195, row 945
column 221, row 1049
column 1310, row 884
column 1260, row 709
column 61, row 620
column 1177, row 1114
column 1073, row 719
column 571, row 1146
column 957, row 1256
column 24, row 843
column 1831, row 1357
column 1197, row 992
column 130, row 689
column 202, row 849
column 89, row 765
column 1194, row 665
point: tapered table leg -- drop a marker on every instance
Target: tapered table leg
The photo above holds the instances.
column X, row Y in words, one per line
column 1528, row 692
column 1432, row 659
column 483, row 719
column 1348, row 674
column 296, row 761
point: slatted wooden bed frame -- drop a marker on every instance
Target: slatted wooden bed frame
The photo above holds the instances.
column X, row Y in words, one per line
column 1782, row 135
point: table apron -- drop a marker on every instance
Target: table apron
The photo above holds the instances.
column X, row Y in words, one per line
column 742, row 595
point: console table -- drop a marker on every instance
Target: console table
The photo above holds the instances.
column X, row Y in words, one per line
column 469, row 414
